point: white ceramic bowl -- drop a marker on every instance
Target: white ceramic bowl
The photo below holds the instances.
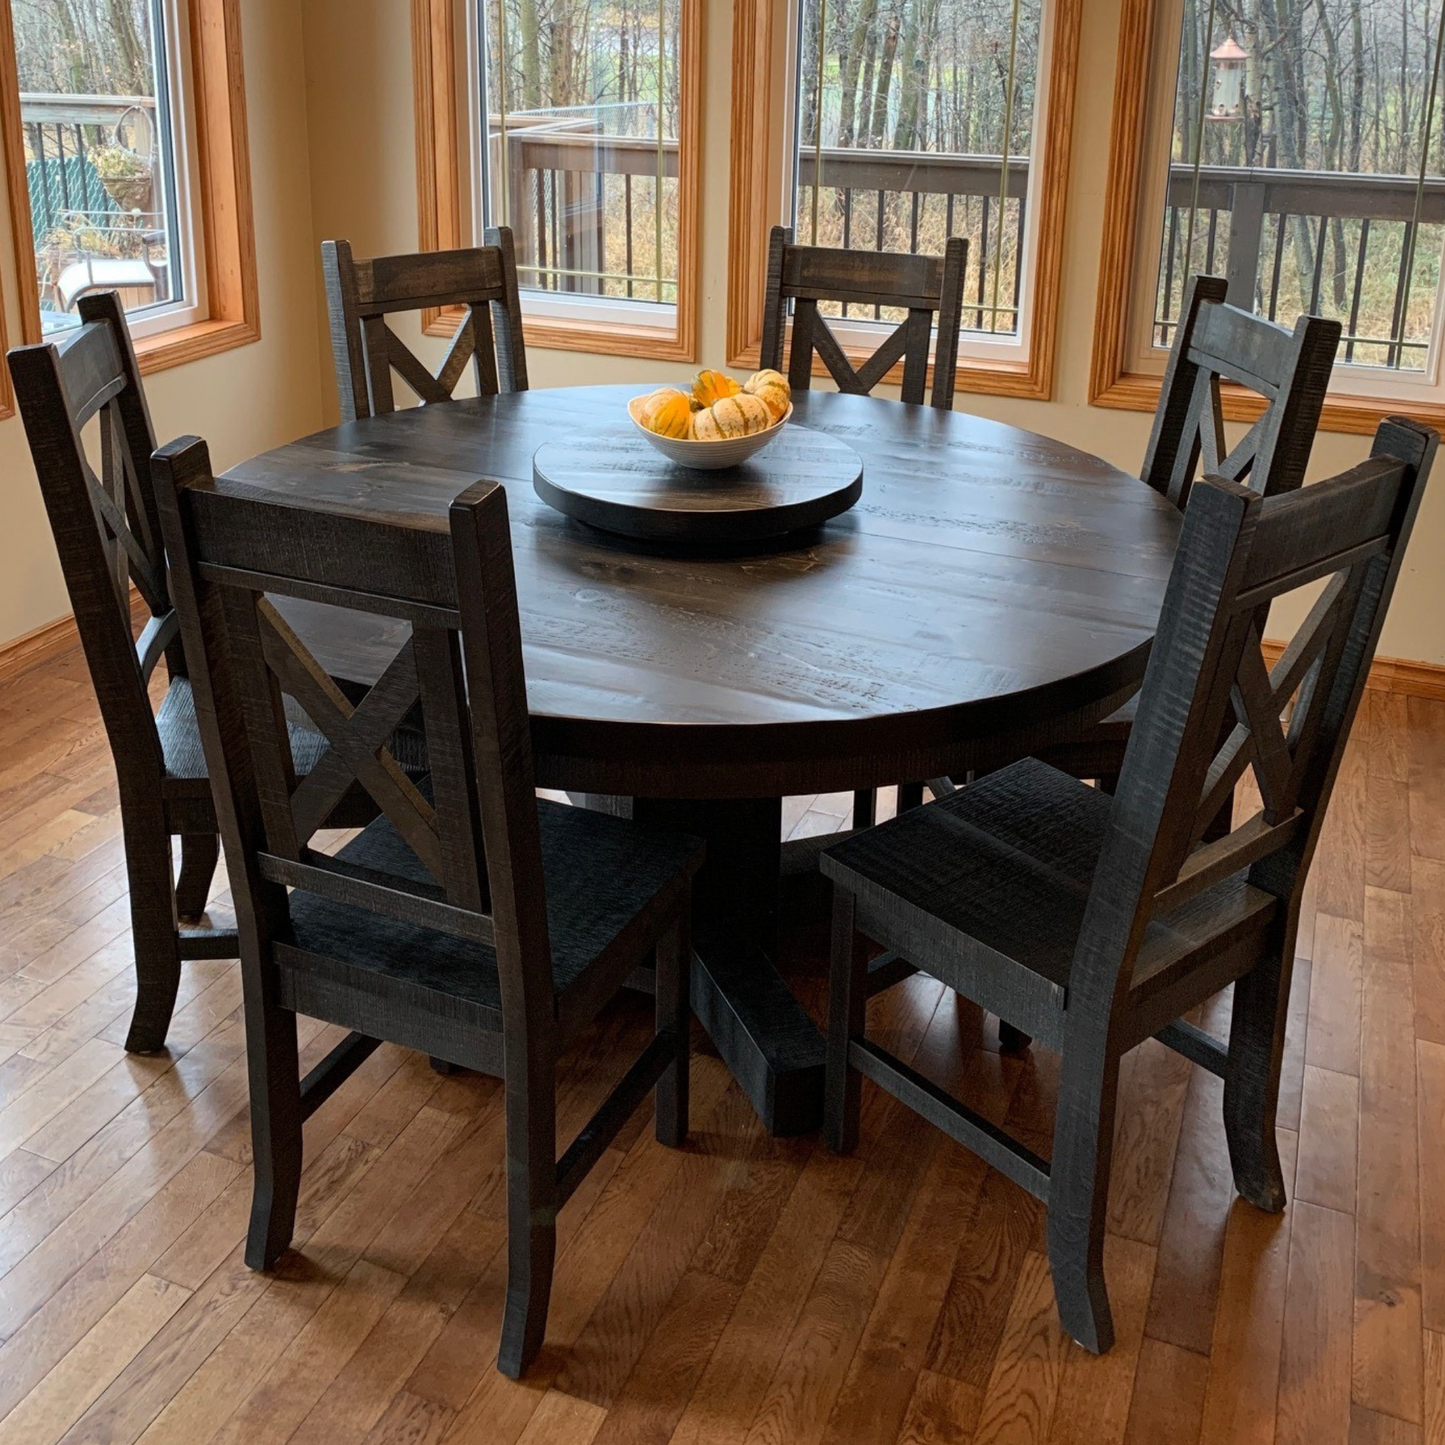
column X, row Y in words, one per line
column 708, row 456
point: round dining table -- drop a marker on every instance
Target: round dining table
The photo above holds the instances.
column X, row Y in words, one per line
column 992, row 591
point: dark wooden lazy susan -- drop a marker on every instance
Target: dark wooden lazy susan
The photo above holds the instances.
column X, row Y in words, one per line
column 616, row 481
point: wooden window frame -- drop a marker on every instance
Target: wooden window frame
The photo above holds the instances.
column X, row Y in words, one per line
column 221, row 203
column 758, row 108
column 442, row 225
column 1111, row 381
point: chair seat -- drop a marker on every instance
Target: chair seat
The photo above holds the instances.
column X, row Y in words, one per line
column 608, row 881
column 995, row 879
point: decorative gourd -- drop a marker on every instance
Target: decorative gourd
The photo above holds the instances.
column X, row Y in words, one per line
column 711, row 386
column 772, row 389
column 731, row 416
column 668, row 412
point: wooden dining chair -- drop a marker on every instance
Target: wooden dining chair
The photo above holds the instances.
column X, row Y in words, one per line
column 1094, row 922
column 929, row 288
column 361, row 295
column 1214, row 342
column 107, row 533
column 469, row 920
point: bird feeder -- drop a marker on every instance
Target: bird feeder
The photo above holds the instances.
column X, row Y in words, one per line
column 1229, row 63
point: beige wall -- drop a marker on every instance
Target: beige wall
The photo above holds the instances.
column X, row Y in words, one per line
column 334, row 156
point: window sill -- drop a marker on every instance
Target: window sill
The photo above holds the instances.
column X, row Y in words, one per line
column 1351, row 415
column 1021, row 379
column 556, row 335
column 191, row 343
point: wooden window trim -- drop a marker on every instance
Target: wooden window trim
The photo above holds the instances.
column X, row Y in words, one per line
column 222, row 220
column 1111, row 382
column 441, row 225
column 754, row 191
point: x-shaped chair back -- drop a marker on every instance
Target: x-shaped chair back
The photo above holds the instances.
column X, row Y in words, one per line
column 106, row 527
column 1239, row 553
column 461, row 667
column 1216, row 342
column 925, row 286
column 361, row 295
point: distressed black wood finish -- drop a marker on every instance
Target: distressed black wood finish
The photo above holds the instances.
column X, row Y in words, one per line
column 616, row 481
column 466, row 920
column 360, row 295
column 1093, row 922
column 991, row 592
column 799, row 277
column 1214, row 342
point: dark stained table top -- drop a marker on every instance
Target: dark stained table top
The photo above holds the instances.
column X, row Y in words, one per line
column 991, row 590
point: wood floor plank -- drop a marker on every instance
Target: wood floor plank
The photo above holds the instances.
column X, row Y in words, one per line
column 1425, row 746
column 1430, row 1072
column 1242, row 1394
column 1167, row 1404
column 1314, row 1384
column 1387, row 1347
column 1333, row 1041
column 1329, row 1139
column 1022, row 1392
column 1427, row 917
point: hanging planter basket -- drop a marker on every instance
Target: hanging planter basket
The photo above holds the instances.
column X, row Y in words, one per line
column 126, row 176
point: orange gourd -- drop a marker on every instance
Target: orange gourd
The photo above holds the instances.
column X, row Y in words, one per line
column 668, row 412
column 711, row 386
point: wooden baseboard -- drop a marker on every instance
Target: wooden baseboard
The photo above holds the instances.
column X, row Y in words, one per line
column 40, row 645
column 1391, row 674
column 53, row 640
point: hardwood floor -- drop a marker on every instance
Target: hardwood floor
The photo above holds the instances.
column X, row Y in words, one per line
column 746, row 1290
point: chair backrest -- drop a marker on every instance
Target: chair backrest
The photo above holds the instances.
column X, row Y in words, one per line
column 360, row 295
column 1238, row 554
column 1290, row 369
column 924, row 286
column 471, row 862
column 106, row 527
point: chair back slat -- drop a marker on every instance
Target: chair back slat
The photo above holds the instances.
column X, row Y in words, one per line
column 464, row 856
column 924, row 286
column 1215, row 342
column 1208, row 679
column 362, row 294
column 106, row 526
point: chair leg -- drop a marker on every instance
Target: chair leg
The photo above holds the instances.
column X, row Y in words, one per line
column 275, row 1081
column 1012, row 1040
column 153, row 933
column 199, row 854
column 847, row 1005
column 531, row 1213
column 1079, row 1192
column 910, row 795
column 865, row 807
column 1251, row 1081
column 674, row 1016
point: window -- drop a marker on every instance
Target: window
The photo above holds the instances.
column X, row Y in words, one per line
column 580, row 133
column 910, row 121
column 108, row 185
column 1298, row 152
column 124, row 132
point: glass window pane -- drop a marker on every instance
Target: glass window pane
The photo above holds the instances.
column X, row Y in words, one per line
column 903, row 106
column 582, row 121
column 1305, row 165
column 99, row 159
